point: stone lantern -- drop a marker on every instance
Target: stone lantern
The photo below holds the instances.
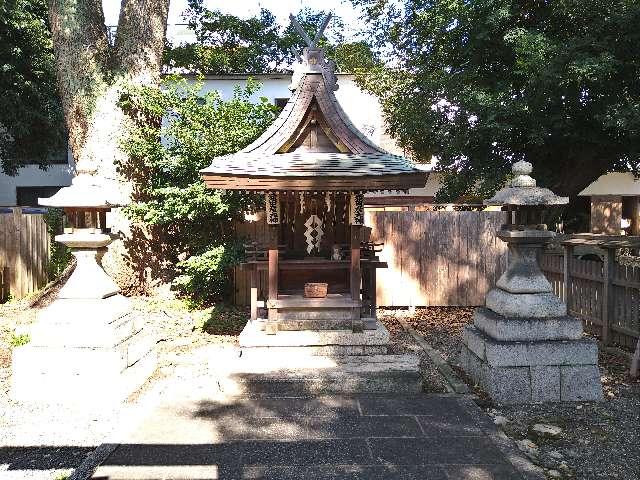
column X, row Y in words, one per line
column 87, row 345
column 523, row 347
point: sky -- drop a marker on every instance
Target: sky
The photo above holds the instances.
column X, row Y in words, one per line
column 245, row 8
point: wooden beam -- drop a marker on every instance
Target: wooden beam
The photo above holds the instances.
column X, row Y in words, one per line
column 356, row 274
column 607, row 294
column 272, row 323
column 254, row 293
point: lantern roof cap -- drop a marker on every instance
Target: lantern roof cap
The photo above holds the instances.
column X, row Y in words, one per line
column 523, row 190
column 85, row 191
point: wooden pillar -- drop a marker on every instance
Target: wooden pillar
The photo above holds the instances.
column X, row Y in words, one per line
column 254, row 292
column 568, row 252
column 272, row 325
column 635, row 221
column 355, row 277
column 607, row 294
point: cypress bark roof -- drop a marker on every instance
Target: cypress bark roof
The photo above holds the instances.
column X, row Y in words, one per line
column 313, row 145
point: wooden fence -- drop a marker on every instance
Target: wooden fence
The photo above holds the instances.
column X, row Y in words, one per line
column 24, row 251
column 435, row 258
column 606, row 295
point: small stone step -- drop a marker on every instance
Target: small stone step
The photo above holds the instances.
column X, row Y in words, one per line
column 253, row 335
column 294, row 324
column 299, row 374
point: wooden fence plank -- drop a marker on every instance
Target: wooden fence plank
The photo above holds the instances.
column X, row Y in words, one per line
column 24, row 251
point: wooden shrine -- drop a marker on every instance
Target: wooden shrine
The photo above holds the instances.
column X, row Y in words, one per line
column 314, row 167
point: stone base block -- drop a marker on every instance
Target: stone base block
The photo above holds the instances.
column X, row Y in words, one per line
column 530, row 383
column 86, row 323
column 101, row 358
column 532, row 353
column 502, row 328
column 76, row 375
column 302, row 373
column 322, row 341
column 538, row 305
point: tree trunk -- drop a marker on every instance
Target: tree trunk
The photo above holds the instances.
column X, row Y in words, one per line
column 91, row 74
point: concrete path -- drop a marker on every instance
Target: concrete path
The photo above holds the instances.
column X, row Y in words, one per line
column 438, row 437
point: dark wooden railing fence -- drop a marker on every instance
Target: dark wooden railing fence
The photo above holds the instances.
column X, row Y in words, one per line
column 606, row 295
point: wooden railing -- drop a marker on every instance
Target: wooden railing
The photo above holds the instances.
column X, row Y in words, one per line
column 605, row 294
column 434, row 258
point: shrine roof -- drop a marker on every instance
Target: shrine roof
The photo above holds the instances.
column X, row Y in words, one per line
column 313, row 144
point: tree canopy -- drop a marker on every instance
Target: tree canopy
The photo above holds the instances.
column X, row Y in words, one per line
column 31, row 125
column 192, row 222
column 228, row 44
column 483, row 84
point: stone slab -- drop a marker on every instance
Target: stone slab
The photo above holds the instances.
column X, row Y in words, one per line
column 253, row 336
column 514, row 354
column 545, row 384
column 325, row 350
column 100, row 384
column 243, row 370
column 85, row 323
column 538, row 305
column 523, row 384
column 338, row 444
column 580, row 383
column 323, row 323
column 502, row 328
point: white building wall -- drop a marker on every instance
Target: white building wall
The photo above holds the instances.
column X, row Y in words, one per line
column 58, row 175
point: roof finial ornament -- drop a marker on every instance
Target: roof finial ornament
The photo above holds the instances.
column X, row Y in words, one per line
column 312, row 59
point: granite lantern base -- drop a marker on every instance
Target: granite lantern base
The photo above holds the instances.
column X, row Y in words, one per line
column 523, row 347
column 87, row 346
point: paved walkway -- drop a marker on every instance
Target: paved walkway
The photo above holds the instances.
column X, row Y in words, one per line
column 327, row 437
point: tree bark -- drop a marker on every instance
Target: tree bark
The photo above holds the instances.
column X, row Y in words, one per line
column 91, row 74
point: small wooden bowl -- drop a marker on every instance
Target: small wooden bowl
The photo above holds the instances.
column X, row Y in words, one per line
column 315, row 290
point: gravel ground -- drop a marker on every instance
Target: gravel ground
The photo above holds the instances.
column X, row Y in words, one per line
column 597, row 441
column 401, row 342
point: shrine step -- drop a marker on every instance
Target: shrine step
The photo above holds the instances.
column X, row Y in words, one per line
column 248, row 373
column 254, row 336
column 294, row 324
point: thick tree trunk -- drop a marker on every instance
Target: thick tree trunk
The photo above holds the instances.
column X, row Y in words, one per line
column 91, row 75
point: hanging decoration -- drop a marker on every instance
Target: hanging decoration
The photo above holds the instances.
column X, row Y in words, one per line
column 301, row 202
column 313, row 234
column 356, row 208
column 272, row 203
column 327, row 201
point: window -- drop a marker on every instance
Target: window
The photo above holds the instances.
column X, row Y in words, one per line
column 28, row 196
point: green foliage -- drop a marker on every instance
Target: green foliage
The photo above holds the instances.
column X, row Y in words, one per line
column 228, row 44
column 32, row 132
column 60, row 255
column 206, row 275
column 196, row 221
column 221, row 320
column 19, row 340
column 483, row 84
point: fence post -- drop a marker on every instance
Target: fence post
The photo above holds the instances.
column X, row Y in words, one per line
column 607, row 293
column 568, row 252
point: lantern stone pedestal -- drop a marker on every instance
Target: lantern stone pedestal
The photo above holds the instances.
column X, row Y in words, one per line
column 87, row 346
column 523, row 347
